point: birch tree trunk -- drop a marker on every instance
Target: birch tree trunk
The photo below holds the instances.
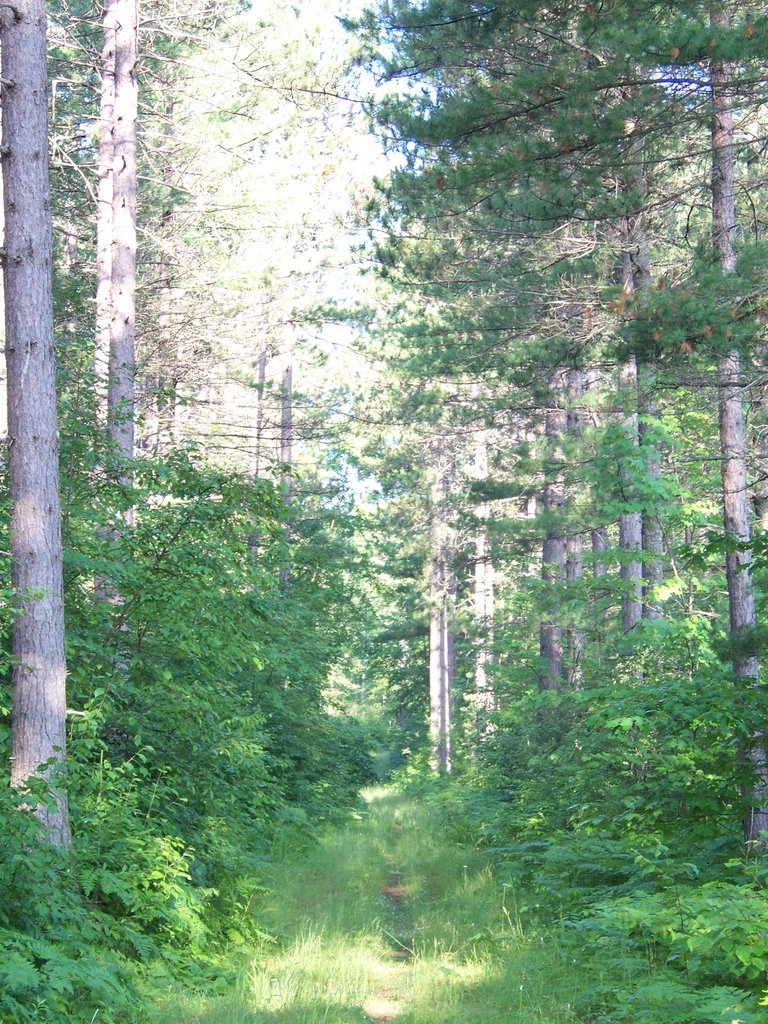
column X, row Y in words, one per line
column 286, row 425
column 286, row 440
column 599, row 542
column 441, row 638
column 642, row 530
column 104, row 198
column 167, row 335
column 599, row 535
column 39, row 670
column 261, row 380
column 741, row 600
column 635, row 279
column 122, row 355
column 439, row 706
column 630, row 523
column 449, row 647
column 652, row 533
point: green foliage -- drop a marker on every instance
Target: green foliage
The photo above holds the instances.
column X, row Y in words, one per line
column 61, row 960
column 651, row 933
column 199, row 742
column 714, row 932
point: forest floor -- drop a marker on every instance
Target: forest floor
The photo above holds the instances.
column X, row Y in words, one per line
column 387, row 921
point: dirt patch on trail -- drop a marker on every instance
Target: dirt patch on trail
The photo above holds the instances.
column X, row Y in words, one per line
column 395, row 896
column 396, row 893
column 386, row 1004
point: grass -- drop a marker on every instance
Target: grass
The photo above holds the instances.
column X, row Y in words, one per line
column 384, row 921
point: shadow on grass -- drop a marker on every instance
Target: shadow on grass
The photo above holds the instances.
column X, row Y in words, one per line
column 392, row 882
column 230, row 1010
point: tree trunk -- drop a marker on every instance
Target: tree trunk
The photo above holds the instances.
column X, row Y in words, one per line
column 439, row 721
column 168, row 348
column 449, row 647
column 554, row 548
column 599, row 541
column 635, row 279
column 106, row 162
column 286, row 426
column 441, row 637
column 574, row 564
column 652, row 533
column 746, row 665
column 261, row 380
column 483, row 595
column 286, row 442
column 39, row 670
column 598, row 535
column 122, row 355
column 760, row 488
column 630, row 523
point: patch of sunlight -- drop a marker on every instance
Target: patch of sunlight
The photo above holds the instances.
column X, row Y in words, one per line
column 317, row 969
column 381, row 1009
column 375, row 794
column 527, row 989
column 388, row 921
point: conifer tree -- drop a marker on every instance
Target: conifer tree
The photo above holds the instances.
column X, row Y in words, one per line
column 554, row 548
column 733, row 437
column 39, row 670
column 442, row 607
column 483, row 588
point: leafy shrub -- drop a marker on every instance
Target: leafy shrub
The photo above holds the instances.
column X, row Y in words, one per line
column 199, row 741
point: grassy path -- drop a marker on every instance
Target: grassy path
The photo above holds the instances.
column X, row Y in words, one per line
column 384, row 921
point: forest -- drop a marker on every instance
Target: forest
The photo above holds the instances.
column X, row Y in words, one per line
column 386, row 499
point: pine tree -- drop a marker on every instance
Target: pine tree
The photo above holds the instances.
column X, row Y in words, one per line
column 39, row 673
column 733, row 438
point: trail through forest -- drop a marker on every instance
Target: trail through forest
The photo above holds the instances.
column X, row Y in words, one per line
column 386, row 390
column 387, row 921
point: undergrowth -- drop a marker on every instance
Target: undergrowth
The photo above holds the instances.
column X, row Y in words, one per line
column 200, row 743
column 469, row 955
column 655, row 937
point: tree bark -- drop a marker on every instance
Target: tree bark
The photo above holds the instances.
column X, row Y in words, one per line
column 168, row 348
column 439, row 693
column 261, row 380
column 554, row 548
column 39, row 669
column 599, row 534
column 741, row 600
column 441, row 637
column 599, row 542
column 286, row 425
column 574, row 563
column 635, row 279
column 286, row 442
column 104, row 198
column 122, row 355
column 760, row 487
column 630, row 523
column 652, row 533
column 483, row 595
